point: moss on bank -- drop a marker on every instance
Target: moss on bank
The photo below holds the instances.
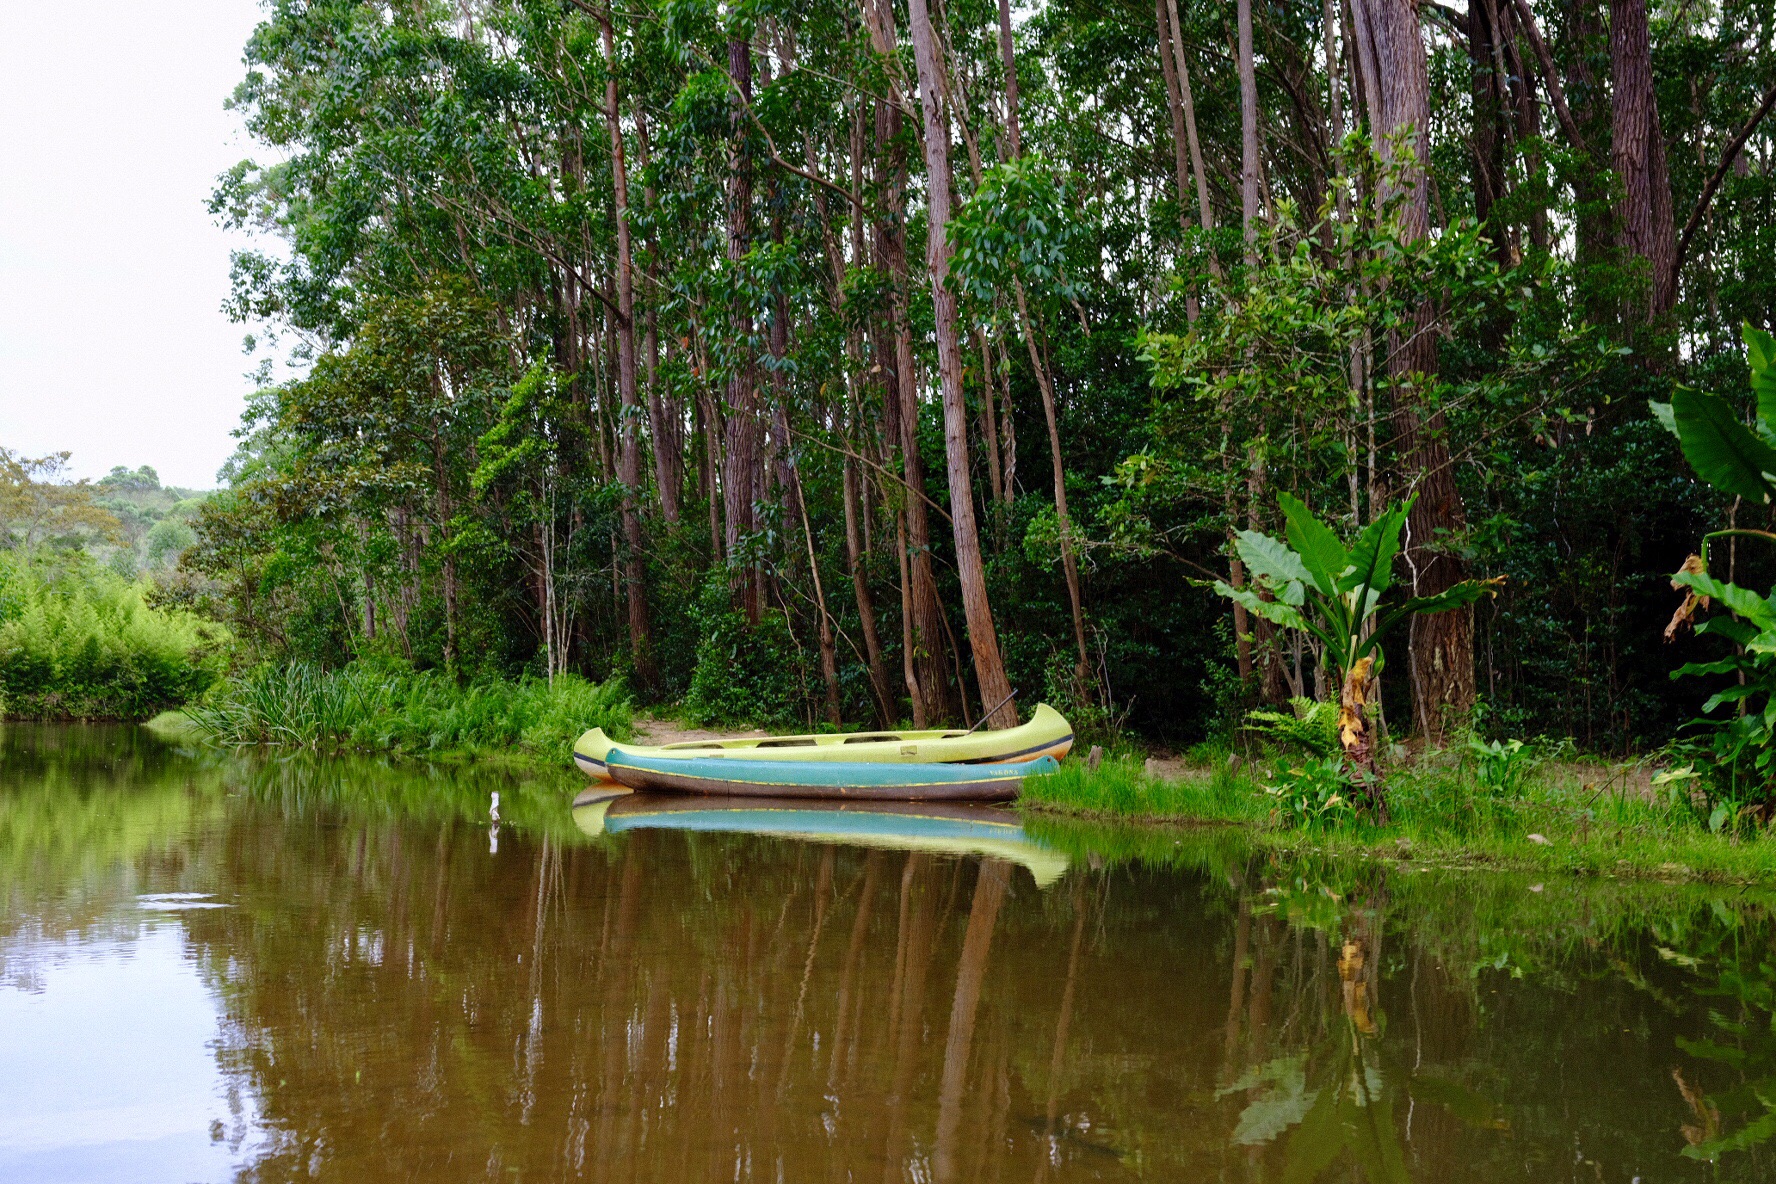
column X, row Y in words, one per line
column 1583, row 820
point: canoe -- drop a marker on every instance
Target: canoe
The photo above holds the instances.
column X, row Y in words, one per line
column 851, row 780
column 1047, row 734
column 936, row 828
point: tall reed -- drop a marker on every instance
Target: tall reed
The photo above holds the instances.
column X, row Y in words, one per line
column 382, row 708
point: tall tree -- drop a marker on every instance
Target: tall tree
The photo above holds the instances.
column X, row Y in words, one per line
column 1397, row 89
column 997, row 703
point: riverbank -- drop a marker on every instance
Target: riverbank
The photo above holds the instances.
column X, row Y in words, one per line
column 1578, row 819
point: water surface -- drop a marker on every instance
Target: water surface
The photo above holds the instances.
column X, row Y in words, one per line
column 239, row 968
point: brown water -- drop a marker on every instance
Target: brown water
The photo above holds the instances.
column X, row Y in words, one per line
column 219, row 969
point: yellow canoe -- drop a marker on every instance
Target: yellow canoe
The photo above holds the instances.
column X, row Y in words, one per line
column 936, row 828
column 1047, row 734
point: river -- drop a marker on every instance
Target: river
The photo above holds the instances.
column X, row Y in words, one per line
column 237, row 967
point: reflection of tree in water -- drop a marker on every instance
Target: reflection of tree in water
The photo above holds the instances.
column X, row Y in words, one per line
column 1728, row 1076
column 672, row 1006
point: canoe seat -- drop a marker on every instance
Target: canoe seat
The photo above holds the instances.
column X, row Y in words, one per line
column 871, row 738
column 789, row 742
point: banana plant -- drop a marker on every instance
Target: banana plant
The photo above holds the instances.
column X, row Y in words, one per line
column 1737, row 769
column 1725, row 452
column 1311, row 581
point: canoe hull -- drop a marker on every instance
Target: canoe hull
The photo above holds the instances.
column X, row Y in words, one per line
column 1047, row 734
column 935, row 828
column 822, row 780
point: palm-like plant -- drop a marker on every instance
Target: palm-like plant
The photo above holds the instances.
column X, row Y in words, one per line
column 1738, row 766
column 1311, row 581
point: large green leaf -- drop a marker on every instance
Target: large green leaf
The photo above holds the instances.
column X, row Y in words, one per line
column 1722, row 450
column 1314, row 541
column 1464, row 593
column 1372, row 559
column 1455, row 596
column 1662, row 412
column 1760, row 354
column 1273, row 562
column 1274, row 611
column 1733, row 597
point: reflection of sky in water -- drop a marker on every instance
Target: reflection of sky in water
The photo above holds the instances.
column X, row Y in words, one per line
column 107, row 1069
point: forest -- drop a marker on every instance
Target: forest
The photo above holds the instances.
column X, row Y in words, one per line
column 817, row 365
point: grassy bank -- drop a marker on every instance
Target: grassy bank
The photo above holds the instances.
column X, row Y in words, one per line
column 1574, row 818
column 386, row 709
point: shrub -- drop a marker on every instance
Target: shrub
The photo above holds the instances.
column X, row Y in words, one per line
column 1502, row 767
column 1318, row 793
column 744, row 672
column 79, row 641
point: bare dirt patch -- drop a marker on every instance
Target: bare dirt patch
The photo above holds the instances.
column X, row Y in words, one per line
column 652, row 730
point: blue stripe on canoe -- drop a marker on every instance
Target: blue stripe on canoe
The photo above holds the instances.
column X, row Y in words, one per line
column 834, row 823
column 827, row 773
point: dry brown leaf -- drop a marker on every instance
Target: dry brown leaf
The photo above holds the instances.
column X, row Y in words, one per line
column 1686, row 612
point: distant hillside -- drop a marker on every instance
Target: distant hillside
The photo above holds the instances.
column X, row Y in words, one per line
column 155, row 518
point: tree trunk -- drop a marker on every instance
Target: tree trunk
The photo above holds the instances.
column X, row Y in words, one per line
column 866, row 605
column 983, row 636
column 741, row 459
column 900, row 376
column 1045, row 383
column 1249, row 163
column 829, row 658
column 909, row 667
column 1487, row 85
column 1442, row 645
column 1637, row 154
column 1008, row 58
column 1168, row 66
column 663, row 412
column 629, row 464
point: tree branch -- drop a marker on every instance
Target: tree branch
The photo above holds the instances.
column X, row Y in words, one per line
column 1728, row 156
column 1551, row 79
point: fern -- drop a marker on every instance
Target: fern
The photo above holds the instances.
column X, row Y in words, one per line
column 1309, row 726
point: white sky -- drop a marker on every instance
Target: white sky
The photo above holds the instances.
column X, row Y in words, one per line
column 112, row 274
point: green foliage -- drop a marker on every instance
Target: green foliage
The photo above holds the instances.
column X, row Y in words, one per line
column 1121, row 786
column 80, row 641
column 384, row 708
column 1734, row 763
column 1501, row 767
column 744, row 672
column 1317, row 794
column 1310, row 726
column 1321, row 587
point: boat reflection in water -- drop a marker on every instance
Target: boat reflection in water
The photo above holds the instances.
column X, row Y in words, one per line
column 955, row 829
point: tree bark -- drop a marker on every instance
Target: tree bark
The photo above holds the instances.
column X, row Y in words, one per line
column 866, row 604
column 1442, row 645
column 663, row 412
column 1168, row 66
column 740, row 461
column 983, row 636
column 900, row 376
column 629, row 464
column 1637, row 155
column 1249, row 163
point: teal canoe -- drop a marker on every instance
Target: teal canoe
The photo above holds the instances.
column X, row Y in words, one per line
column 846, row 780
column 935, row 828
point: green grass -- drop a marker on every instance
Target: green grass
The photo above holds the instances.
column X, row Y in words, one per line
column 1120, row 787
column 386, row 709
column 1585, row 820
